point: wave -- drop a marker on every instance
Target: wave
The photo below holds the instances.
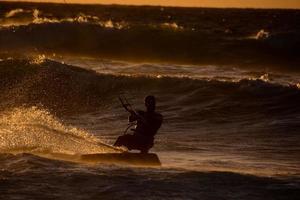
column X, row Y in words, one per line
column 20, row 17
column 172, row 35
column 110, row 39
column 65, row 89
column 34, row 130
column 22, row 169
column 14, row 12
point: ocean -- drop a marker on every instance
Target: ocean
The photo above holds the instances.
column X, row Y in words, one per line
column 227, row 82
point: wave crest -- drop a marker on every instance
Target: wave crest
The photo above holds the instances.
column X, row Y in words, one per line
column 66, row 89
column 37, row 131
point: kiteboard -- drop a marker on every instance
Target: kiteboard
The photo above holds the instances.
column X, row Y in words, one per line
column 139, row 159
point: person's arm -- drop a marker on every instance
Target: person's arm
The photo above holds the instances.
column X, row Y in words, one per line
column 132, row 117
column 139, row 115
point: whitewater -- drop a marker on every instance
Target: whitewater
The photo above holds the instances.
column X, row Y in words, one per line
column 229, row 94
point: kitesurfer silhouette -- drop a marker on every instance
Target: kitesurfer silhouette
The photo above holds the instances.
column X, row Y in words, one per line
column 147, row 124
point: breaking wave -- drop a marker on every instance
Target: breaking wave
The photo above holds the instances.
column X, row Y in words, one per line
column 14, row 18
column 34, row 130
column 172, row 34
column 66, row 89
column 218, row 116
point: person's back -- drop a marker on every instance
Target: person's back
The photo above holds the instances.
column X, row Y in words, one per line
column 147, row 126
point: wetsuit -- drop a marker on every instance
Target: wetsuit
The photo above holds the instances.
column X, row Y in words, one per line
column 142, row 138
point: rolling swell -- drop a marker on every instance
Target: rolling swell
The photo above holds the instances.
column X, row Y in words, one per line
column 146, row 43
column 29, row 173
column 208, row 36
column 66, row 89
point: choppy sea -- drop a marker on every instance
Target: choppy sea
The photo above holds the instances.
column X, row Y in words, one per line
column 227, row 82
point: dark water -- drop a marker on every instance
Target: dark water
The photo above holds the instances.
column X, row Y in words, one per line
column 231, row 115
column 207, row 36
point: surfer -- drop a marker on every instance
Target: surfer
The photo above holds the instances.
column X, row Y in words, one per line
column 147, row 124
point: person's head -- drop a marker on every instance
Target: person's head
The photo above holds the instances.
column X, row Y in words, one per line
column 150, row 103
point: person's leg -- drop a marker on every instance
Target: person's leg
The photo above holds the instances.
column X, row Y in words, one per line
column 126, row 140
column 144, row 145
column 131, row 142
column 121, row 141
column 134, row 142
column 118, row 142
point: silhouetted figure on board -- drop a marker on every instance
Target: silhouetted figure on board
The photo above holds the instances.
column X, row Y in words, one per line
column 147, row 124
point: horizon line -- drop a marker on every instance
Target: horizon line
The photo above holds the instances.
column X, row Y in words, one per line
column 150, row 5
